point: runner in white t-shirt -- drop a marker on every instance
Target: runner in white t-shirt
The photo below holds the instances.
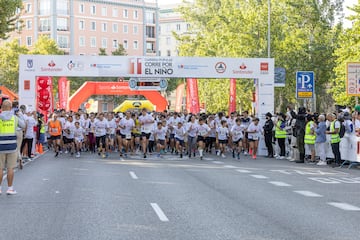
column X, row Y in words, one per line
column 180, row 132
column 79, row 134
column 254, row 132
column 147, row 123
column 237, row 136
column 191, row 128
column 159, row 134
column 222, row 136
column 101, row 126
column 203, row 131
column 126, row 125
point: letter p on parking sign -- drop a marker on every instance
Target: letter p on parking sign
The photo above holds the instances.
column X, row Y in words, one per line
column 305, row 84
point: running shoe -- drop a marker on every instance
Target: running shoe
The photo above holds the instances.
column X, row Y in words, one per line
column 56, row 154
column 181, row 155
column 223, row 155
column 254, row 156
column 11, row 192
column 238, row 156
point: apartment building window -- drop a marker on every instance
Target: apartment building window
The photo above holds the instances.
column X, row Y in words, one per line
column 93, row 9
column 81, row 8
column 104, row 106
column 125, row 44
column 150, row 47
column 136, row 44
column 62, row 7
column 115, row 43
column 93, row 26
column 104, row 27
column 93, row 42
column 63, row 41
column 44, row 25
column 18, row 26
column 62, row 24
column 168, row 41
column 150, row 17
column 44, row 7
column 28, row 41
column 104, row 43
column 115, row 12
column 168, row 53
column 187, row 26
column 135, row 29
column 178, row 27
column 135, row 14
column 104, row 11
column 125, row 28
column 28, row 24
column 150, row 32
column 28, row 8
column 115, row 28
column 125, row 13
column 82, row 41
column 81, row 25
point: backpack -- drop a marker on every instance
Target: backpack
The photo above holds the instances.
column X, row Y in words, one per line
column 342, row 130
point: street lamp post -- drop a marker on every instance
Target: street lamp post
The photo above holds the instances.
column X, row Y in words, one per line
column 269, row 26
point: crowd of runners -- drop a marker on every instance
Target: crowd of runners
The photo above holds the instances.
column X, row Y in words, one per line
column 155, row 133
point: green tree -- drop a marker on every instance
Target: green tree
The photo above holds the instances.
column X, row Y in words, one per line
column 8, row 16
column 9, row 64
column 102, row 52
column 348, row 51
column 300, row 40
column 46, row 46
column 120, row 51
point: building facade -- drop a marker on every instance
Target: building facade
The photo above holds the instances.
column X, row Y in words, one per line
column 82, row 27
column 170, row 22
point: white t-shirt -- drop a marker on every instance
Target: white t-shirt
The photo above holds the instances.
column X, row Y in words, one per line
column 79, row 133
column 237, row 132
column 180, row 133
column 112, row 126
column 100, row 127
column 128, row 124
column 257, row 128
column 223, row 133
column 203, row 129
column 172, row 123
column 212, row 126
column 30, row 124
column 357, row 124
column 146, row 122
column 191, row 129
column 69, row 130
column 160, row 134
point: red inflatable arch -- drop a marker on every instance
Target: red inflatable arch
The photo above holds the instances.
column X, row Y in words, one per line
column 113, row 88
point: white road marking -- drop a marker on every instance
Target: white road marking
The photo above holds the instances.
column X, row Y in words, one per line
column 259, row 176
column 324, row 180
column 218, row 162
column 344, row 206
column 133, row 175
column 57, row 192
column 308, row 194
column 280, row 184
column 281, row 171
column 229, row 166
column 159, row 212
column 243, row 171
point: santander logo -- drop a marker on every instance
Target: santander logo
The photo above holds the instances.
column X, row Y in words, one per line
column 51, row 67
column 51, row 64
column 243, row 66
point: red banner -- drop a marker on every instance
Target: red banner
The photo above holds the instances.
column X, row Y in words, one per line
column 193, row 95
column 44, row 96
column 232, row 99
column 179, row 97
column 187, row 97
column 63, row 92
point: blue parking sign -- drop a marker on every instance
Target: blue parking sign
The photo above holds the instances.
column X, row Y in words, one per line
column 305, row 84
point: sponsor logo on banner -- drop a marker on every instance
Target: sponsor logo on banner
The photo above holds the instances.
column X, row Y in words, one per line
column 220, row 67
column 191, row 67
column 51, row 67
column 30, row 65
column 104, row 65
column 243, row 70
column 264, row 68
column 75, row 65
column 157, row 66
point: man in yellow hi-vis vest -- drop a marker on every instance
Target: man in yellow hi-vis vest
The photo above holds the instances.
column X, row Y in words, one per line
column 310, row 136
column 8, row 146
column 335, row 137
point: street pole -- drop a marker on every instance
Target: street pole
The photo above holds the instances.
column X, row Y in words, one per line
column 269, row 26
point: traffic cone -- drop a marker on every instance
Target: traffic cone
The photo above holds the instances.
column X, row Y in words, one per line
column 41, row 150
column 37, row 148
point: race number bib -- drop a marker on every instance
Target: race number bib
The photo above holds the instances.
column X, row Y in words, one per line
column 128, row 136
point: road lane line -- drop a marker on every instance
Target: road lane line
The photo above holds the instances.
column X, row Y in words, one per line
column 280, row 184
column 229, row 166
column 218, row 162
column 259, row 176
column 308, row 194
column 159, row 212
column 243, row 171
column 344, row 206
column 133, row 175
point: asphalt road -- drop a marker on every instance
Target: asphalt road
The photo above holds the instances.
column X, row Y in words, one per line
column 172, row 198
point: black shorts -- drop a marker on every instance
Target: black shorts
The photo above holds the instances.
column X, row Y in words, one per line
column 135, row 135
column 161, row 142
column 147, row 135
column 200, row 139
column 181, row 142
column 118, row 132
column 172, row 136
column 55, row 137
column 237, row 142
column 246, row 135
column 101, row 140
column 68, row 140
column 223, row 141
column 210, row 140
column 253, row 140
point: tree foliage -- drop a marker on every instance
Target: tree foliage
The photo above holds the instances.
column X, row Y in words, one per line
column 8, row 16
column 300, row 40
column 347, row 51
